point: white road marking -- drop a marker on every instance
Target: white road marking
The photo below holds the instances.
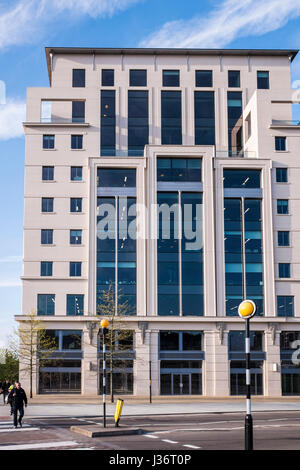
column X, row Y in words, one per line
column 151, row 436
column 19, row 429
column 191, row 446
column 39, row 445
column 169, row 442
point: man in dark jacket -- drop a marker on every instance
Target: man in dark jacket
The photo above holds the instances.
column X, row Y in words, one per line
column 18, row 398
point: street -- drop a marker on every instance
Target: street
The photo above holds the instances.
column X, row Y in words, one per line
column 181, row 433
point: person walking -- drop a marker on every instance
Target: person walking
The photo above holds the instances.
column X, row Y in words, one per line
column 5, row 387
column 18, row 399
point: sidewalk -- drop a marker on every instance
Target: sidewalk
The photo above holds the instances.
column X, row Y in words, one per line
column 78, row 406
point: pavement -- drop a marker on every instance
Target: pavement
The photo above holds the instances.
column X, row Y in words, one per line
column 83, row 407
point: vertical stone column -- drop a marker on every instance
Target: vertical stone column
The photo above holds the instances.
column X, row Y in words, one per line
column 272, row 374
column 155, row 363
column 89, row 368
column 141, row 372
column 216, row 371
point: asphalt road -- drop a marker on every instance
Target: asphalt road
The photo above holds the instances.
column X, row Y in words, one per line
column 182, row 434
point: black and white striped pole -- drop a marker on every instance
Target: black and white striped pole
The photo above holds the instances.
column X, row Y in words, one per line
column 104, row 325
column 246, row 310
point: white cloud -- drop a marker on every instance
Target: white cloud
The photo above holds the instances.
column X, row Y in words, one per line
column 26, row 20
column 10, row 283
column 231, row 19
column 12, row 114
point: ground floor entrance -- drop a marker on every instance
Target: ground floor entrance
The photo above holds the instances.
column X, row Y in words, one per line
column 60, row 382
column 181, row 384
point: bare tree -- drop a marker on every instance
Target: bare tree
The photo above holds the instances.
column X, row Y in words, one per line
column 118, row 338
column 31, row 345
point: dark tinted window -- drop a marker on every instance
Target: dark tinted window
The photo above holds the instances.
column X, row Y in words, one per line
column 138, row 125
column 76, row 141
column 179, row 169
column 75, row 237
column 71, row 339
column 263, row 80
column 171, row 126
column 46, row 304
column 47, row 237
column 283, row 238
column 78, row 78
column 282, row 206
column 108, row 77
column 284, row 270
column 75, row 268
column 191, row 341
column 46, row 268
column 280, row 144
column 234, row 79
column 237, row 341
column 47, row 204
column 204, row 118
column 241, row 178
column 285, row 306
column 108, row 123
column 75, row 304
column 117, row 178
column 48, row 141
column 76, row 204
column 281, row 175
column 138, row 78
column 169, row 341
column 76, row 173
column 204, row 78
column 48, row 173
column 171, row 78
column 78, row 111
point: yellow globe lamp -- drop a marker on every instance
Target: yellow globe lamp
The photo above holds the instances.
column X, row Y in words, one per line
column 104, row 323
column 247, row 309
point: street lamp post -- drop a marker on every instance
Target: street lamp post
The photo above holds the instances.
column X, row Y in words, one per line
column 246, row 310
column 104, row 325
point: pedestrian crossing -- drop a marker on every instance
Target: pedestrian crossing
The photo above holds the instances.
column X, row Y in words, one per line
column 8, row 427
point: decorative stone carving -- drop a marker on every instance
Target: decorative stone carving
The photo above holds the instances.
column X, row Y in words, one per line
column 143, row 326
column 221, row 327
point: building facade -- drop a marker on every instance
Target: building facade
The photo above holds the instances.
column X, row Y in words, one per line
column 164, row 182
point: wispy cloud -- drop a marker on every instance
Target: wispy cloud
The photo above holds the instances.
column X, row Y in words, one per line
column 25, row 20
column 10, row 283
column 229, row 20
column 12, row 114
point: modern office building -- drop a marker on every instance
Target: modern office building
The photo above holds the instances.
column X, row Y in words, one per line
column 164, row 182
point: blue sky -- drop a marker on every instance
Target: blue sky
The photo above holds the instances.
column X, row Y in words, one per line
column 28, row 26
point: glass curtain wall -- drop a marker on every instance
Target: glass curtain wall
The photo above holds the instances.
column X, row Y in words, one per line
column 243, row 253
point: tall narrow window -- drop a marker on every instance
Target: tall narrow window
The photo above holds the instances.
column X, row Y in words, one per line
column 75, row 304
column 285, row 306
column 108, row 123
column 284, row 270
column 48, row 173
column 283, row 238
column 46, row 268
column 76, row 142
column 78, row 78
column 46, row 236
column 171, row 125
column 280, row 144
column 46, row 304
column 75, row 204
column 235, row 123
column 47, row 204
column 234, row 79
column 108, row 78
column 138, row 122
column 282, row 206
column 78, row 111
column 263, row 80
column 76, row 173
column 204, row 118
column 48, row 142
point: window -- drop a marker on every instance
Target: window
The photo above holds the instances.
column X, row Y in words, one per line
column 48, row 173
column 71, row 339
column 78, row 78
column 76, row 204
column 75, row 268
column 236, row 341
column 46, row 268
column 180, row 340
column 285, row 305
column 204, row 78
column 46, row 304
column 108, row 123
column 234, row 80
column 282, row 206
column 284, row 270
column 46, row 236
column 281, row 175
column 78, row 111
column 241, row 178
column 108, row 77
column 76, row 173
column 204, row 105
column 263, row 80
column 116, row 178
column 280, row 144
column 48, row 141
column 75, row 304
column 171, row 78
column 138, row 124
column 235, row 122
column 138, row 78
column 76, row 142
column 47, row 204
column 179, row 169
column 171, row 126
column 283, row 238
column 75, row 237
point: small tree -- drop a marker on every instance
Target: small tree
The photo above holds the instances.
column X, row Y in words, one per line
column 9, row 365
column 117, row 333
column 32, row 345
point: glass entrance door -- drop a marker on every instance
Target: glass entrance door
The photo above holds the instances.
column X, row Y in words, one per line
column 180, row 384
